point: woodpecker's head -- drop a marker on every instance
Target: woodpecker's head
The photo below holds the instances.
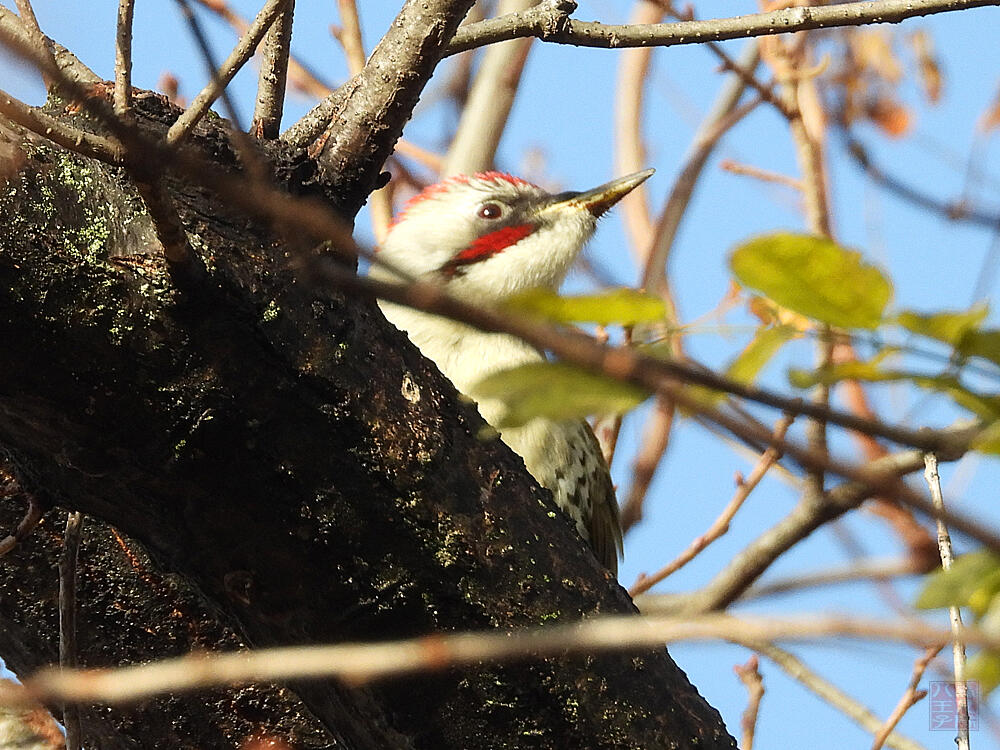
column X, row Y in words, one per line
column 489, row 236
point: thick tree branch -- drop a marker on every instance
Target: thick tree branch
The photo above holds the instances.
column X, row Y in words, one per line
column 12, row 27
column 123, row 57
column 275, row 56
column 364, row 118
column 179, row 416
column 551, row 23
column 241, row 53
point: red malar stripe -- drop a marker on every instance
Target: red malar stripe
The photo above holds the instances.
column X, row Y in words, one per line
column 487, row 246
column 493, row 243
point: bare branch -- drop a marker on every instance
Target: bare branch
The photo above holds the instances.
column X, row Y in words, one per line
column 491, row 97
column 655, row 439
column 954, row 613
column 274, row 58
column 721, row 524
column 123, row 57
column 760, row 174
column 877, row 569
column 359, row 663
column 27, row 14
column 809, row 514
column 380, row 201
column 241, row 53
column 719, row 120
column 827, row 691
column 551, row 23
column 749, row 675
column 956, row 210
column 389, row 86
column 32, row 515
column 12, row 27
column 910, row 697
column 67, row 620
column 94, row 146
column 630, row 154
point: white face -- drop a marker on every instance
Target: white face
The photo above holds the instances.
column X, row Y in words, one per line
column 487, row 237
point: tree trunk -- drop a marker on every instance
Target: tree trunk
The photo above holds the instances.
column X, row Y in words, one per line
column 264, row 462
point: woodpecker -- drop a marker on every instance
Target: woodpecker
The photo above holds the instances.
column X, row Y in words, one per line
column 487, row 237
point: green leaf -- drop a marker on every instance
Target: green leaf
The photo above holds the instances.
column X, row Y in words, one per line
column 815, row 277
column 983, row 405
column 949, row 327
column 746, row 366
column 984, row 343
column 988, row 441
column 973, row 581
column 617, row 306
column 765, row 344
column 868, row 371
column 959, row 329
column 984, row 667
column 555, row 390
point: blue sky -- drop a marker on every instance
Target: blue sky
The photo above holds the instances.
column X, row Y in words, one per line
column 564, row 113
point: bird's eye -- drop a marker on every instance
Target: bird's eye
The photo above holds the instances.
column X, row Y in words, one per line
column 489, row 211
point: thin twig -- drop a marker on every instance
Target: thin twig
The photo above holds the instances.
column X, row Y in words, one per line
column 299, row 75
column 766, row 91
column 866, row 570
column 910, row 697
column 722, row 116
column 954, row 613
column 551, row 23
column 721, row 524
column 809, row 514
column 630, row 154
column 654, row 442
column 27, row 14
column 32, row 515
column 273, row 76
column 54, row 55
column 921, row 547
column 217, row 84
column 34, row 31
column 349, row 36
column 807, row 127
column 957, row 210
column 830, row 693
column 67, row 620
column 764, row 175
column 123, row 57
column 354, row 50
column 429, row 159
column 67, row 136
column 749, row 675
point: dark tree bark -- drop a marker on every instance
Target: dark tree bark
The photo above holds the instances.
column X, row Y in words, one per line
column 279, row 466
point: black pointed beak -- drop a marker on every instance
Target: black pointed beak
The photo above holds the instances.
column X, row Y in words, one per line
column 600, row 199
